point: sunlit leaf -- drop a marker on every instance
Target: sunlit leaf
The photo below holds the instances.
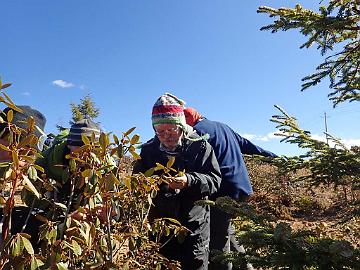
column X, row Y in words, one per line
column 72, row 165
column 102, row 140
column 153, row 193
column 51, row 236
column 172, row 220
column 116, row 139
column 17, row 246
column 31, row 123
column 8, row 173
column 135, row 139
column 2, row 200
column 135, row 155
column 10, row 116
column 41, row 169
column 149, row 172
column 15, row 159
column 129, row 131
column 62, row 266
column 61, row 206
column 5, row 148
column 12, row 106
column 126, row 266
column 167, row 231
column 32, row 173
column 159, row 167
column 111, row 180
column 29, row 186
column 127, row 182
column 181, row 173
column 36, row 263
column 6, row 85
column 170, row 162
column 85, row 139
column 27, row 245
column 76, row 247
column 11, row 102
column 82, row 233
column 86, row 173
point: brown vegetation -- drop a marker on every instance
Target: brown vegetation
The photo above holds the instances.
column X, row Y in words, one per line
column 326, row 209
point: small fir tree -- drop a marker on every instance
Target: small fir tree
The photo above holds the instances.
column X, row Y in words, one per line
column 86, row 109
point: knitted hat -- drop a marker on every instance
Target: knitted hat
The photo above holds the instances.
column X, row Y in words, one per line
column 192, row 116
column 86, row 127
column 20, row 119
column 168, row 109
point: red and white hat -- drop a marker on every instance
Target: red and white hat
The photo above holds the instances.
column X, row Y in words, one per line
column 168, row 109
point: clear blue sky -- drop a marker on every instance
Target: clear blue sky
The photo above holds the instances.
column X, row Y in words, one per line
column 126, row 53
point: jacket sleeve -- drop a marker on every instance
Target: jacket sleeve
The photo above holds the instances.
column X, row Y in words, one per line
column 206, row 177
column 138, row 167
column 249, row 148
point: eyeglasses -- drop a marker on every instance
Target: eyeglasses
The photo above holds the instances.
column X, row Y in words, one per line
column 162, row 132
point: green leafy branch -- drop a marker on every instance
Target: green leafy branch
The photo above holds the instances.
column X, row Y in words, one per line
column 336, row 24
column 327, row 164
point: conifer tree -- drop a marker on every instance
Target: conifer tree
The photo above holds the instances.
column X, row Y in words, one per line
column 273, row 244
column 85, row 109
column 334, row 27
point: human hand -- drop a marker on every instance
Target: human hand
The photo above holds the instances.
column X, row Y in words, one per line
column 86, row 215
column 178, row 182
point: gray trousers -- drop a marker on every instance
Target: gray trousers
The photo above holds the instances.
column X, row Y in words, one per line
column 222, row 237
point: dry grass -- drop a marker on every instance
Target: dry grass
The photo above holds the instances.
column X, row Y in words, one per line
column 328, row 210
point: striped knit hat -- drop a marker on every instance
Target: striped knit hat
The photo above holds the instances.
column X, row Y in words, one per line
column 168, row 109
column 86, row 127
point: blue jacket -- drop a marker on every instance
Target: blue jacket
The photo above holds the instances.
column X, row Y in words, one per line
column 229, row 148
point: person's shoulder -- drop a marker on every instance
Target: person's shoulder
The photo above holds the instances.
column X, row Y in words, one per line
column 207, row 123
column 220, row 126
column 56, row 150
column 150, row 143
column 196, row 143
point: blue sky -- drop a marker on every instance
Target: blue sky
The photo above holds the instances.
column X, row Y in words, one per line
column 126, row 53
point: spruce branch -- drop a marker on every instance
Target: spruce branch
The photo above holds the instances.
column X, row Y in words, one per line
column 334, row 26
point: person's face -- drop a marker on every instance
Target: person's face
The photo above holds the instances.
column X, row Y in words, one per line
column 73, row 148
column 169, row 135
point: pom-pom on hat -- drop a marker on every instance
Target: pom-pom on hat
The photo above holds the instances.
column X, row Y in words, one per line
column 86, row 127
column 168, row 109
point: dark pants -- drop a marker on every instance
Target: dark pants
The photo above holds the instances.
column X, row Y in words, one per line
column 18, row 218
column 222, row 237
column 197, row 262
column 193, row 251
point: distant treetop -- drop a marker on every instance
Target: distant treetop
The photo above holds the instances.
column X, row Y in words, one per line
column 86, row 109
